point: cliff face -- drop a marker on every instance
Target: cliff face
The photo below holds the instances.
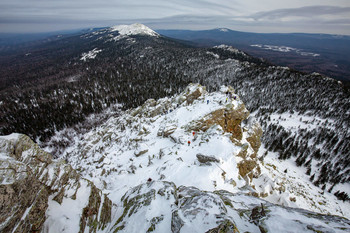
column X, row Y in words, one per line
column 40, row 194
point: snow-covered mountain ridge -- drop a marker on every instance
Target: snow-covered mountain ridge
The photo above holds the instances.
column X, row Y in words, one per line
column 173, row 133
column 142, row 160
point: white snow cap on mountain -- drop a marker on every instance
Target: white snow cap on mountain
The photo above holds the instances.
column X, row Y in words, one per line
column 223, row 29
column 134, row 29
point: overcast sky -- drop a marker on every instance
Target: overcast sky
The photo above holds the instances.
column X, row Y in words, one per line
column 314, row 16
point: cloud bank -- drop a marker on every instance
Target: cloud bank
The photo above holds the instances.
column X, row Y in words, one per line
column 251, row 15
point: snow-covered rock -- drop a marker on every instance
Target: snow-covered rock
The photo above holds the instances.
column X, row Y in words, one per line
column 38, row 193
column 90, row 55
column 231, row 49
column 161, row 206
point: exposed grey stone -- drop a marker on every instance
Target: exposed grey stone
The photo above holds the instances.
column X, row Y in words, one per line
column 176, row 222
column 206, row 159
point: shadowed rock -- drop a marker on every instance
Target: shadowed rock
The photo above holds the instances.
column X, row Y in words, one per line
column 206, row 159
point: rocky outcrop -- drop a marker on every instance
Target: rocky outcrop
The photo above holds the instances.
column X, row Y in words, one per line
column 137, row 203
column 193, row 92
column 160, row 206
column 229, row 118
column 35, row 190
column 225, row 111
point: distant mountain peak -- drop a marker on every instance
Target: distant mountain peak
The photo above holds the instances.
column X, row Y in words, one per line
column 223, row 29
column 134, row 29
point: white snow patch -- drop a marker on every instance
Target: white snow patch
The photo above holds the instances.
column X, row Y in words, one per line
column 10, row 137
column 285, row 49
column 65, row 217
column 90, row 55
column 213, row 54
column 74, row 78
column 231, row 49
column 297, row 121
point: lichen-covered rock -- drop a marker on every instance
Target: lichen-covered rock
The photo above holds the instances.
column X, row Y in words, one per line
column 249, row 166
column 257, row 213
column 229, row 118
column 22, row 205
column 225, row 227
column 33, row 183
column 246, row 167
column 200, row 206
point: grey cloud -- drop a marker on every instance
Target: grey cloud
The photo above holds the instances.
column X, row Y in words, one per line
column 43, row 20
column 340, row 26
column 159, row 14
column 306, row 12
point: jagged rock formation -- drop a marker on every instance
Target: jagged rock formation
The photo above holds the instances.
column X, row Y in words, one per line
column 160, row 206
column 39, row 194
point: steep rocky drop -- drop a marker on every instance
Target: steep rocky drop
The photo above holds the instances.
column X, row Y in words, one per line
column 39, row 194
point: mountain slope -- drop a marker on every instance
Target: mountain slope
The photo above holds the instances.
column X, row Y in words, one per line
column 153, row 180
column 305, row 118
